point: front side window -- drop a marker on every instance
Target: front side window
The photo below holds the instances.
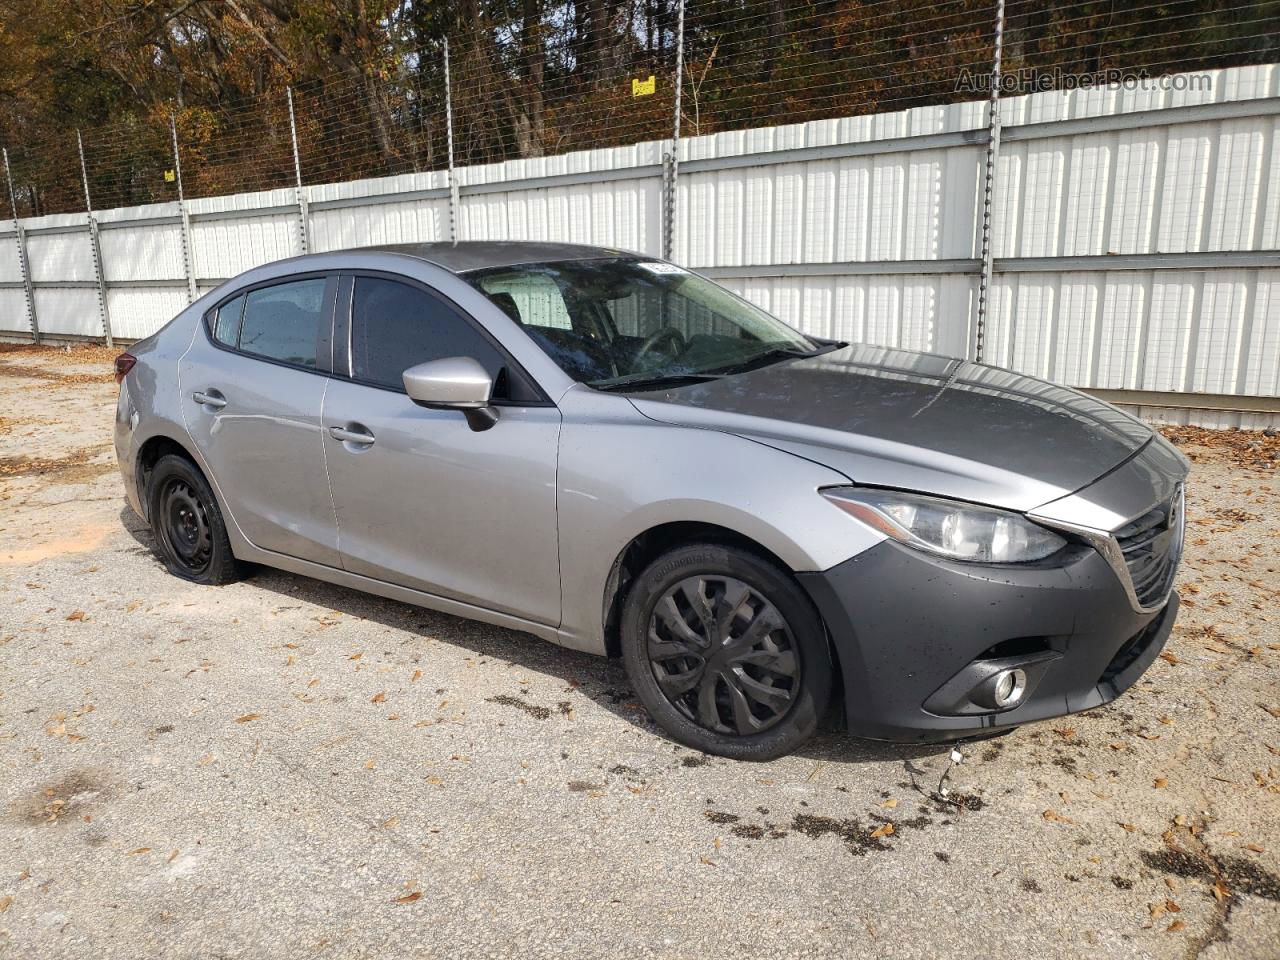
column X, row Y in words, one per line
column 395, row 326
column 612, row 323
column 284, row 322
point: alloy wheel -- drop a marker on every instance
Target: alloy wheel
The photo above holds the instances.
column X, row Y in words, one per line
column 723, row 655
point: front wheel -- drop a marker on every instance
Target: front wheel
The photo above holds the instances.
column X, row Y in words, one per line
column 191, row 536
column 726, row 652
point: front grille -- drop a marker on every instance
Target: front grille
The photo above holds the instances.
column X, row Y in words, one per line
column 1151, row 546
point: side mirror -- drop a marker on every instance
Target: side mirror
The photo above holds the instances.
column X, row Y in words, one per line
column 453, row 383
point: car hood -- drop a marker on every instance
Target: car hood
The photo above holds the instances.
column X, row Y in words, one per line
column 916, row 421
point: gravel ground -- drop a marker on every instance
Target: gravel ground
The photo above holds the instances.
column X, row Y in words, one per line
column 283, row 768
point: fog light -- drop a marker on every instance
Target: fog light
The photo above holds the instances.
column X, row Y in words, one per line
column 1008, row 688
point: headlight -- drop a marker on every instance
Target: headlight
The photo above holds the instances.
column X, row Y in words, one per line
column 961, row 531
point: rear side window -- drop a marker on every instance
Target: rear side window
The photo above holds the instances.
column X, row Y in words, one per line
column 284, row 322
column 395, row 326
column 226, row 325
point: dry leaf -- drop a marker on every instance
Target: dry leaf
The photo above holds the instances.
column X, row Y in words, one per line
column 1054, row 817
column 1129, row 827
column 884, row 830
column 134, row 853
column 417, row 675
column 1176, row 926
column 5, row 903
column 409, row 897
column 357, row 655
column 1170, row 657
column 1220, row 890
column 1157, row 910
column 76, row 615
column 391, row 822
column 1254, row 847
column 890, row 803
column 378, row 698
column 368, row 764
column 247, row 718
column 1161, row 783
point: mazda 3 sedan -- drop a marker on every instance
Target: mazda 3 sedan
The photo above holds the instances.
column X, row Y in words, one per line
column 618, row 455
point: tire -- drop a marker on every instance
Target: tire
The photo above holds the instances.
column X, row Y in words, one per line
column 756, row 692
column 191, row 536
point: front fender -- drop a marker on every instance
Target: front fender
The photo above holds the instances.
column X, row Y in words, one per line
column 621, row 474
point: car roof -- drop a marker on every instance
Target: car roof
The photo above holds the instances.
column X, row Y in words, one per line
column 483, row 254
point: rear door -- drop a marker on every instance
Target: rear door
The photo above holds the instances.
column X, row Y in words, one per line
column 252, row 387
column 426, row 501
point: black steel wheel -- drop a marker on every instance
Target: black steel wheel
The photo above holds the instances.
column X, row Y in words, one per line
column 183, row 523
column 726, row 651
column 191, row 537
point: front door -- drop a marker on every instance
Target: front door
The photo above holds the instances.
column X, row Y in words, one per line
column 422, row 499
column 252, row 388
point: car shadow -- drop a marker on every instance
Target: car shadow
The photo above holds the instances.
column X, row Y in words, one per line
column 602, row 680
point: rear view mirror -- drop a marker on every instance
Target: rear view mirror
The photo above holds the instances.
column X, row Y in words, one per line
column 453, row 383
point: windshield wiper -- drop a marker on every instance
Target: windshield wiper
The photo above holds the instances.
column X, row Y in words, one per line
column 775, row 355
column 649, row 383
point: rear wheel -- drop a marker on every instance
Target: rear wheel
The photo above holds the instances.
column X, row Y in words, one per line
column 726, row 652
column 190, row 534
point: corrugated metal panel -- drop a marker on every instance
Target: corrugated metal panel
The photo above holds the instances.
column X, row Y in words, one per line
column 10, row 266
column 73, row 311
column 413, row 221
column 224, row 248
column 60, row 256
column 13, row 311
column 142, row 252
column 138, row 312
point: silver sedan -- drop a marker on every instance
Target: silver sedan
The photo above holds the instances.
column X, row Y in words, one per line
column 618, row 455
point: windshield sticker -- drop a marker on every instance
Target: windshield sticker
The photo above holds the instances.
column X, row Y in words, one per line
column 658, row 267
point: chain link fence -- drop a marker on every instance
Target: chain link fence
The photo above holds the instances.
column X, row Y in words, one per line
column 568, row 83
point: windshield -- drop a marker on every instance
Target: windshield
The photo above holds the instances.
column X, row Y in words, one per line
column 614, row 324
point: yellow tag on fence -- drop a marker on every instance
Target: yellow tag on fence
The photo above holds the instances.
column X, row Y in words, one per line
column 169, row 176
column 644, row 88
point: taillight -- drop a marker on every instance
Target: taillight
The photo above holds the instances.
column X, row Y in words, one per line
column 124, row 363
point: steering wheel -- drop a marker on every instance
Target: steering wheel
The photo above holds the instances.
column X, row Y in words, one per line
column 660, row 336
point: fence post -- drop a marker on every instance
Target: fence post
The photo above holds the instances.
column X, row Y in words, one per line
column 95, row 246
column 182, row 211
column 304, row 227
column 988, row 192
column 671, row 166
column 453, row 180
column 24, row 266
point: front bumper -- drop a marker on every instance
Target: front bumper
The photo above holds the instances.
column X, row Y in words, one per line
column 906, row 624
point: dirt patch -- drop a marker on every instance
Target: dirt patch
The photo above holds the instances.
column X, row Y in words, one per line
column 63, row 800
column 44, row 373
column 73, row 468
column 857, row 839
column 532, row 709
column 85, row 540
column 77, row 353
column 1256, row 449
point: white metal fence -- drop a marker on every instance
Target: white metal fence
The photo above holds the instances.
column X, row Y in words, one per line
column 1136, row 235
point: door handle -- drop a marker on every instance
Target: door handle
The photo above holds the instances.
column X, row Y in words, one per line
column 361, row 437
column 209, row 398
